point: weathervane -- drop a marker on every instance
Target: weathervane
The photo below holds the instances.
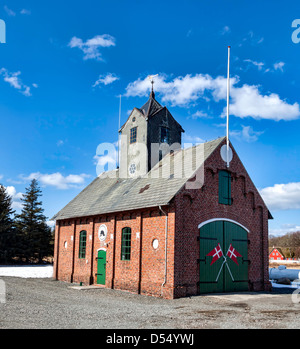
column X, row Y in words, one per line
column 151, row 78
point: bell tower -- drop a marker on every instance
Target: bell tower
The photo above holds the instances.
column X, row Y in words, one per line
column 149, row 133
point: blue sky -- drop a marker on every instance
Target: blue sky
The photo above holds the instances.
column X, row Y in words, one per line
column 64, row 64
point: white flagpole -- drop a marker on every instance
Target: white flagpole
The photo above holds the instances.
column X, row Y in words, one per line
column 119, row 130
column 228, row 93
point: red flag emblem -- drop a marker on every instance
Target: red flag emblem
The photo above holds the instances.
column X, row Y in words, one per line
column 216, row 253
column 233, row 254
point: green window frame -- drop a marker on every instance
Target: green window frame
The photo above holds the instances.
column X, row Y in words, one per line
column 133, row 135
column 82, row 244
column 126, row 244
column 225, row 188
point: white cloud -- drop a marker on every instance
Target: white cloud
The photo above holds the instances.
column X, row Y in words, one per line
column 51, row 224
column 200, row 114
column 189, row 33
column 262, row 67
column 14, row 80
column 279, row 66
column 259, row 65
column 246, row 101
column 284, row 229
column 57, row 180
column 180, row 91
column 107, row 79
column 9, row 11
column 246, row 133
column 16, row 197
column 24, row 11
column 282, row 196
column 1, row 176
column 251, row 39
column 225, row 30
column 188, row 139
column 91, row 48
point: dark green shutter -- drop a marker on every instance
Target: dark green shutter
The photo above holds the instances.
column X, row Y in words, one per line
column 224, row 188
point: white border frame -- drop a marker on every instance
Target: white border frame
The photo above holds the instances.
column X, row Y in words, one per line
column 106, row 232
column 222, row 219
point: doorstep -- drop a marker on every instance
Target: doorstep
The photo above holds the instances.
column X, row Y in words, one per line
column 89, row 287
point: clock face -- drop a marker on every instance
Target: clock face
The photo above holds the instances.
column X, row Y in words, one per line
column 132, row 169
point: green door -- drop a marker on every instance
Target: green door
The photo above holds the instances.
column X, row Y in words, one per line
column 210, row 236
column 236, row 237
column 101, row 270
column 223, row 258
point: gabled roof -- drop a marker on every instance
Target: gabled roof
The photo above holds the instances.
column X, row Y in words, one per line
column 149, row 109
column 278, row 249
column 108, row 193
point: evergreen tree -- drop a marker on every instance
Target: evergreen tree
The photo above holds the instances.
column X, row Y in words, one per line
column 34, row 234
column 7, row 232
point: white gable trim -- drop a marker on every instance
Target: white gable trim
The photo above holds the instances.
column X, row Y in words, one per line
column 222, row 219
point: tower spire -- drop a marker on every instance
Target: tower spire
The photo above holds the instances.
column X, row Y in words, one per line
column 151, row 78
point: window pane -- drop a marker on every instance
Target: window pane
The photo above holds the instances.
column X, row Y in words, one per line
column 164, row 135
column 133, row 133
column 82, row 244
column 126, row 244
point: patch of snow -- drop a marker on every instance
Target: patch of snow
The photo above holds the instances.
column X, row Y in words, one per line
column 27, row 271
column 292, row 285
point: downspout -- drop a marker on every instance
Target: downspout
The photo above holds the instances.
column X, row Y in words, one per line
column 141, row 257
column 57, row 251
column 114, row 253
column 92, row 252
column 263, row 249
column 166, row 246
column 73, row 252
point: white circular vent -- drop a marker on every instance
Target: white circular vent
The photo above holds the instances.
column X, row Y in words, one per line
column 224, row 153
column 155, row 244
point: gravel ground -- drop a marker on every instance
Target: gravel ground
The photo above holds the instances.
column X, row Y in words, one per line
column 50, row 304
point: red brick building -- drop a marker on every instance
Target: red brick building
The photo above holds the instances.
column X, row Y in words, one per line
column 188, row 225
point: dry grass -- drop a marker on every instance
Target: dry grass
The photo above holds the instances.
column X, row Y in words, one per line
column 288, row 265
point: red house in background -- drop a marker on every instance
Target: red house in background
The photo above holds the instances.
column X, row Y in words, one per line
column 276, row 255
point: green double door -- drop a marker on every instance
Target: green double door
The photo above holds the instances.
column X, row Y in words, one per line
column 101, row 267
column 223, row 258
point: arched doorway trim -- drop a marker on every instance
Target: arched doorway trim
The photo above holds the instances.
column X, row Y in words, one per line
column 223, row 219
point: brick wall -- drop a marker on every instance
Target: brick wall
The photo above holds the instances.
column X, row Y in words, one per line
column 145, row 271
